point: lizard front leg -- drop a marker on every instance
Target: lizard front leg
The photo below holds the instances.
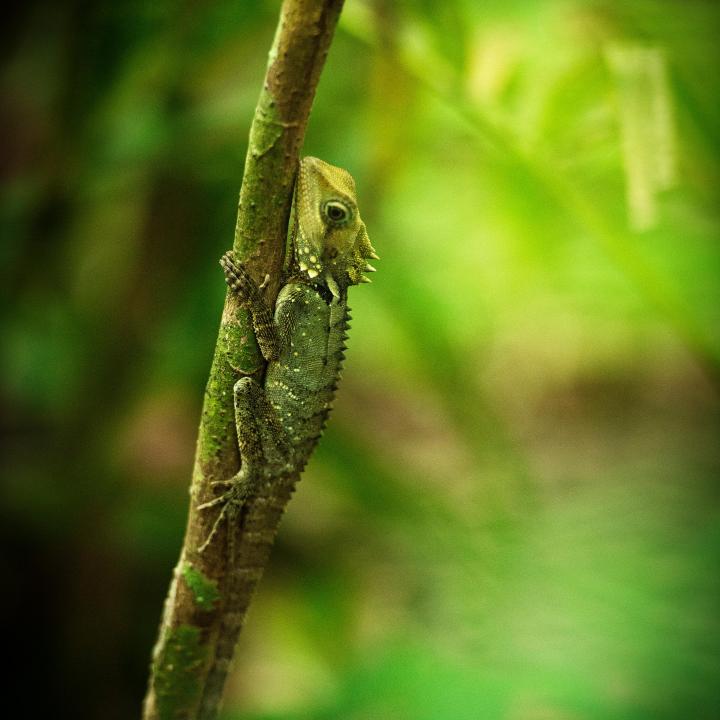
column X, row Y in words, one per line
column 240, row 282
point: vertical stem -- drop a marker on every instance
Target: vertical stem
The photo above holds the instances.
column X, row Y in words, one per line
column 210, row 592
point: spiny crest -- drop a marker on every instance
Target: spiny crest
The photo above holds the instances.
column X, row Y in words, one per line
column 331, row 241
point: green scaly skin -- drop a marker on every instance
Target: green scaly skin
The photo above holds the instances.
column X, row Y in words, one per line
column 279, row 422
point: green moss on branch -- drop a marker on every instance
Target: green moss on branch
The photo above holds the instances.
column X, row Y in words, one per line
column 204, row 590
column 177, row 674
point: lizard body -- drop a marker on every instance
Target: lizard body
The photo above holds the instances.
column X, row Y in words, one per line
column 279, row 422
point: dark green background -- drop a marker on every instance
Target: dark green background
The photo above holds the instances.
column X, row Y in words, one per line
column 514, row 513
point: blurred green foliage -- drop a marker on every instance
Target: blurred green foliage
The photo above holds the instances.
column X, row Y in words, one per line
column 514, row 513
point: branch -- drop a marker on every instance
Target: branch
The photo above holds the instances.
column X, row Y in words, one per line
column 210, row 592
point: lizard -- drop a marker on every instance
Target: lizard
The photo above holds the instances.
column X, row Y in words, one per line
column 280, row 419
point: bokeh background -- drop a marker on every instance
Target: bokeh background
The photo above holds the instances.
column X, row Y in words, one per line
column 514, row 513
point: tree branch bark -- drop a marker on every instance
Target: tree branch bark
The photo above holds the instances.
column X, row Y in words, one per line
column 211, row 591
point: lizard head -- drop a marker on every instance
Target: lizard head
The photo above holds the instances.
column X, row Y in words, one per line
column 331, row 242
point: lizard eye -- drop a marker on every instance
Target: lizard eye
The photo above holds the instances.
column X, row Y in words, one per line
column 336, row 212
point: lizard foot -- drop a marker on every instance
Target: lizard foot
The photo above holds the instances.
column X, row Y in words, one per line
column 241, row 490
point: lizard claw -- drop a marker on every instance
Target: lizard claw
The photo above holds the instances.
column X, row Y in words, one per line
column 216, row 501
column 228, row 501
column 222, row 483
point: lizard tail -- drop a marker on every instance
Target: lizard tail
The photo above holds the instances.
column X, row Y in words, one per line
column 256, row 529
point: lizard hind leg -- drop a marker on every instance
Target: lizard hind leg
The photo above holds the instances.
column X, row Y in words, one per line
column 263, row 441
column 231, row 503
column 264, row 453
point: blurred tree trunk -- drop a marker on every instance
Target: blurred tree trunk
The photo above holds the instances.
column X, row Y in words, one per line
column 211, row 591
